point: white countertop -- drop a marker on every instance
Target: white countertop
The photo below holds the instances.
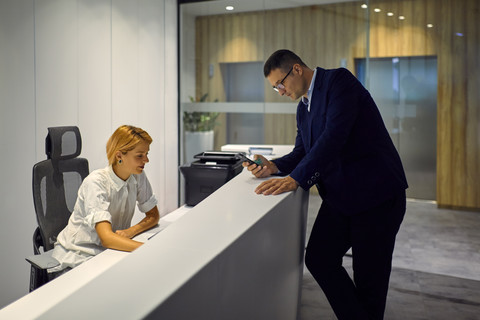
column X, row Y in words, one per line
column 158, row 268
column 55, row 291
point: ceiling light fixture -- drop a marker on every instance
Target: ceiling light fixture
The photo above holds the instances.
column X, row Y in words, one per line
column 429, row 25
column 229, row 8
column 390, row 14
column 364, row 6
column 377, row 10
column 401, row 17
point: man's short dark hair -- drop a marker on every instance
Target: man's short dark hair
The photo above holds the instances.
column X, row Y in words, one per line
column 281, row 59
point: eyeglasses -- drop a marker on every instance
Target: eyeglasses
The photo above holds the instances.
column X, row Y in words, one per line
column 280, row 85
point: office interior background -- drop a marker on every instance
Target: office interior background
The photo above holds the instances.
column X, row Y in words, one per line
column 98, row 64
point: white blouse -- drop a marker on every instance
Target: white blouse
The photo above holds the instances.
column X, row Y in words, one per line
column 102, row 197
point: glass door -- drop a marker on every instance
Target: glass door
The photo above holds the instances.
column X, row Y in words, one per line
column 405, row 90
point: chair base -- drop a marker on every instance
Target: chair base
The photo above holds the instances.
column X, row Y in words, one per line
column 38, row 277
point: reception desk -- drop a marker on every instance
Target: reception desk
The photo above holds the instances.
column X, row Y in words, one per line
column 236, row 255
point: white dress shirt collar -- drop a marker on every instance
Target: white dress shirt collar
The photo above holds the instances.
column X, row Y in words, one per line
column 306, row 101
column 119, row 183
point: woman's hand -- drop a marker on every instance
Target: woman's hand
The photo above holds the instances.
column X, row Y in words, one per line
column 113, row 240
column 122, row 239
column 151, row 220
column 127, row 233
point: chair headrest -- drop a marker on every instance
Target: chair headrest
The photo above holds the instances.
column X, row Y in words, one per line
column 63, row 143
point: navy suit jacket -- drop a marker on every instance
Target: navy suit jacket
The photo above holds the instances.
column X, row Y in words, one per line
column 343, row 147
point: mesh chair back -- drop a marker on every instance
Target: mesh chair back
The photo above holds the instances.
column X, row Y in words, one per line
column 56, row 182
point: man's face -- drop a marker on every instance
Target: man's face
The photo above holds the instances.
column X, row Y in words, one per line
column 286, row 83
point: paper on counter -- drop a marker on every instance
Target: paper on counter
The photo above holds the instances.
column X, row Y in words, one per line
column 147, row 235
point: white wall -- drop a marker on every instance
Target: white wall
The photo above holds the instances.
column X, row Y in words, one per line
column 187, row 51
column 96, row 64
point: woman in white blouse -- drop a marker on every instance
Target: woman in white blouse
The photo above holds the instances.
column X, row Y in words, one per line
column 106, row 202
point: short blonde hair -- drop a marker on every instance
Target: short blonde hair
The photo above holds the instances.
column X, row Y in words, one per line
column 125, row 139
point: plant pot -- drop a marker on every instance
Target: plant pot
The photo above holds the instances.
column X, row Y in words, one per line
column 196, row 142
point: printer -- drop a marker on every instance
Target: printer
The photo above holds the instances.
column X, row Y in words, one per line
column 211, row 171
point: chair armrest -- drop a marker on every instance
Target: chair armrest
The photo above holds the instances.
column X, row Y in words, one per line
column 43, row 261
column 37, row 241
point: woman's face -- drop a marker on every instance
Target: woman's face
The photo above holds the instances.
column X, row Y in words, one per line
column 133, row 162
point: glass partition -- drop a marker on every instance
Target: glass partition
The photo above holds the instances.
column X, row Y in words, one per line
column 405, row 90
column 406, row 52
column 223, row 52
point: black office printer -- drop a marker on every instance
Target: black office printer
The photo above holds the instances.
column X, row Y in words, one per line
column 211, row 171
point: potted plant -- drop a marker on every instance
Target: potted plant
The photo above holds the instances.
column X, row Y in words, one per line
column 198, row 127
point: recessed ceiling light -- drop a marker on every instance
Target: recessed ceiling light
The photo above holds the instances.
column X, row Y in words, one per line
column 401, row 17
column 377, row 10
column 390, row 14
column 229, row 8
column 364, row 6
column 429, row 25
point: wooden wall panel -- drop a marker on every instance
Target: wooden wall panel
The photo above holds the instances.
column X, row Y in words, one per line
column 472, row 51
column 324, row 35
column 458, row 115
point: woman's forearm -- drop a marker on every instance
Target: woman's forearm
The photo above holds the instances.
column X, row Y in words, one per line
column 150, row 221
column 111, row 240
column 117, row 242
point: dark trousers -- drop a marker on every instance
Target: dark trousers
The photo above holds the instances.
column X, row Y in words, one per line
column 371, row 235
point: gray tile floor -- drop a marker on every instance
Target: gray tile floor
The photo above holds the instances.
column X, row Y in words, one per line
column 436, row 267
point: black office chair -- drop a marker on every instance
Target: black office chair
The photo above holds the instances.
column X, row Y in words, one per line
column 55, row 187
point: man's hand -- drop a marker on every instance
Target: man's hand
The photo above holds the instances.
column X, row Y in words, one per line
column 267, row 168
column 277, row 186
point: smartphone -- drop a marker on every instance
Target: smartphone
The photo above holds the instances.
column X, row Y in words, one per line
column 258, row 162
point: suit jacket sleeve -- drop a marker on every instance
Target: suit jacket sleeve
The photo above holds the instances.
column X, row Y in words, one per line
column 347, row 151
column 335, row 121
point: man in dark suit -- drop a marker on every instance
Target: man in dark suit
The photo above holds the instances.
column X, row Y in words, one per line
column 342, row 147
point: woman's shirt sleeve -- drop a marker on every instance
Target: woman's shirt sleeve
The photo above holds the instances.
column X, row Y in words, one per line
column 95, row 201
column 145, row 197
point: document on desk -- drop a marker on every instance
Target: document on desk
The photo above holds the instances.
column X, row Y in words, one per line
column 147, row 235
